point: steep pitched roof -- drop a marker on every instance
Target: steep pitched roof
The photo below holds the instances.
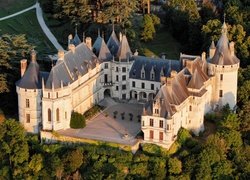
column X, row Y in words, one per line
column 113, row 43
column 101, row 50
column 31, row 79
column 124, row 51
column 222, row 54
column 76, row 40
column 159, row 65
column 74, row 64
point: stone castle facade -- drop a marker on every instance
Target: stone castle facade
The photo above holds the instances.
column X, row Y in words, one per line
column 180, row 91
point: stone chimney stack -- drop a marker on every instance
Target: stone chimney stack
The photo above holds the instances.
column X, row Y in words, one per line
column 70, row 37
column 120, row 36
column 89, row 42
column 203, row 57
column 33, row 56
column 231, row 45
column 71, row 48
column 173, row 73
column 23, row 64
column 60, row 55
column 136, row 53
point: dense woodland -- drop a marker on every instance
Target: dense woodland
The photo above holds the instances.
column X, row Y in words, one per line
column 223, row 155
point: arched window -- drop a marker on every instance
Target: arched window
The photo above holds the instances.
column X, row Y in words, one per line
column 57, row 115
column 49, row 115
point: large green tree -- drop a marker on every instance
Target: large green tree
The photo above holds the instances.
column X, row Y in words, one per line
column 14, row 150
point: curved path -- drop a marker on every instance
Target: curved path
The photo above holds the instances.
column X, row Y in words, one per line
column 39, row 15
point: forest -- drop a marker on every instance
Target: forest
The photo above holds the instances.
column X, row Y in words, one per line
column 223, row 155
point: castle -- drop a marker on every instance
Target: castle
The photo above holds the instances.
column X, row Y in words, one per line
column 181, row 91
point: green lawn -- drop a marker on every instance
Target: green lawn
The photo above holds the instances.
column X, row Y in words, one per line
column 27, row 23
column 12, row 6
column 163, row 42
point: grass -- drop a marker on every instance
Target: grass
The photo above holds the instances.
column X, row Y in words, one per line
column 12, row 6
column 163, row 42
column 27, row 23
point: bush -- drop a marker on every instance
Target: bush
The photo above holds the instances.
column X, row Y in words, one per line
column 182, row 136
column 77, row 121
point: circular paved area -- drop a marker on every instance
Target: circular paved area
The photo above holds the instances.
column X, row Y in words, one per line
column 110, row 129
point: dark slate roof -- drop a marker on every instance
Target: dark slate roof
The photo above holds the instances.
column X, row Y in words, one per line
column 76, row 41
column 101, row 50
column 157, row 64
column 30, row 79
column 124, row 51
column 74, row 64
column 222, row 54
column 113, row 43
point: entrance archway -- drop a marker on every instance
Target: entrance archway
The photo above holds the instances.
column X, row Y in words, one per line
column 107, row 93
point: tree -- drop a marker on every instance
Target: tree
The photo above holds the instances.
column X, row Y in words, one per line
column 208, row 11
column 36, row 164
column 14, row 150
column 119, row 10
column 148, row 28
column 174, row 166
column 183, row 136
column 77, row 121
column 72, row 160
column 13, row 48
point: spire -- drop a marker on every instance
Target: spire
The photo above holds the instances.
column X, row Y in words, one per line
column 224, row 26
column 76, row 28
column 98, row 31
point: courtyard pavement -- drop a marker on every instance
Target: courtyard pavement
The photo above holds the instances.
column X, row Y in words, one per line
column 108, row 128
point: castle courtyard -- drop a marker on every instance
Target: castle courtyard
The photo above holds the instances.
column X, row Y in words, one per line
column 111, row 129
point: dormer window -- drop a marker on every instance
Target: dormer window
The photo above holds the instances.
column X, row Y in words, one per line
column 143, row 72
column 152, row 74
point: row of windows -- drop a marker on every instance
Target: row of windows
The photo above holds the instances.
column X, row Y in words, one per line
column 143, row 85
column 117, row 69
column 151, row 123
column 152, row 75
column 151, row 135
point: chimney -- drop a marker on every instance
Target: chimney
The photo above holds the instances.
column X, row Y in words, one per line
column 231, row 45
column 23, row 64
column 163, row 56
column 120, row 35
column 136, row 53
column 173, row 74
column 89, row 42
column 70, row 37
column 203, row 56
column 83, row 37
column 72, row 48
column 153, row 56
column 33, row 56
column 60, row 55
column 189, row 65
column 169, row 81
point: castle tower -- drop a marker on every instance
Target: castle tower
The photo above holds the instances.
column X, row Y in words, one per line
column 223, row 68
column 29, row 93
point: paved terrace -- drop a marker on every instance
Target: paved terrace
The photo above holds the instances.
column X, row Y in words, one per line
column 110, row 129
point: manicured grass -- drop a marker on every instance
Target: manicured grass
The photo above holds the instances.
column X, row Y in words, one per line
column 12, row 6
column 163, row 42
column 27, row 24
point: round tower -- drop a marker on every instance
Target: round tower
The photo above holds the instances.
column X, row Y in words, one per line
column 223, row 68
column 29, row 93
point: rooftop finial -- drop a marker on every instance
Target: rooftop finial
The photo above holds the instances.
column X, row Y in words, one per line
column 98, row 31
column 76, row 28
column 224, row 17
column 113, row 25
column 224, row 26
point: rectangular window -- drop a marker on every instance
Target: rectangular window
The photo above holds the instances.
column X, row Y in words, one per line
column 221, row 93
column 124, row 86
column 123, row 69
column 117, row 69
column 152, row 86
column 124, row 77
column 143, row 75
column 151, row 134
column 151, row 123
column 123, row 96
column 161, row 124
column 106, row 65
column 65, row 116
column 221, row 77
column 152, row 76
column 168, row 127
column 190, row 108
column 161, row 136
column 117, row 88
column 133, row 83
column 27, row 118
column 142, row 85
column 48, row 95
column 27, row 103
column 117, row 78
column 156, row 111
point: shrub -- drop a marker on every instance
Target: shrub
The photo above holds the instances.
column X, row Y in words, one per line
column 77, row 121
column 182, row 136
